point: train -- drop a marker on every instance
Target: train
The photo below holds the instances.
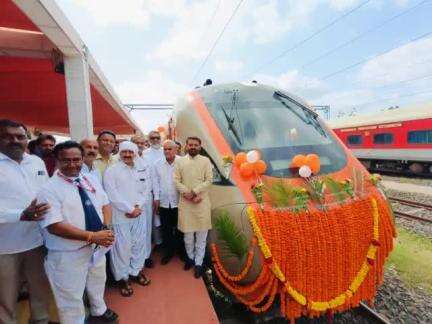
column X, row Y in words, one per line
column 295, row 214
column 396, row 140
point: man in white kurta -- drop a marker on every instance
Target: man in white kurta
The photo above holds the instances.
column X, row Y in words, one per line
column 21, row 251
column 152, row 155
column 129, row 185
column 168, row 203
column 193, row 176
column 74, row 235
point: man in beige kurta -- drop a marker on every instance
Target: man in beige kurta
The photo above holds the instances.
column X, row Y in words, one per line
column 193, row 176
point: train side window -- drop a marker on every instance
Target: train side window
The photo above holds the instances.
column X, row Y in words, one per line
column 420, row 137
column 355, row 139
column 383, row 138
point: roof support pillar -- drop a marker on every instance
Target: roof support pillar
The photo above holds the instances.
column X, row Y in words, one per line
column 78, row 96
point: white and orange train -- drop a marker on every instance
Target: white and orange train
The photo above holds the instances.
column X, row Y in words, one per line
column 398, row 140
column 238, row 117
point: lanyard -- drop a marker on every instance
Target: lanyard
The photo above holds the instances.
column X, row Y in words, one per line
column 78, row 184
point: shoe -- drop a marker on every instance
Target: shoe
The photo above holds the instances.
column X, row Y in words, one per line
column 198, row 271
column 108, row 317
column 166, row 259
column 188, row 264
column 149, row 263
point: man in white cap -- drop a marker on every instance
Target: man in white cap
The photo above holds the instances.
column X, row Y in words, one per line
column 129, row 185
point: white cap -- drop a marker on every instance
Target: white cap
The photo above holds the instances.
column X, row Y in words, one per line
column 128, row 146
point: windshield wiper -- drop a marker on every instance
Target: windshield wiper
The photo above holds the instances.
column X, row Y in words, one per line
column 231, row 126
column 310, row 116
column 303, row 107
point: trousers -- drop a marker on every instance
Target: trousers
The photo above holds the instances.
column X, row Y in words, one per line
column 195, row 244
column 173, row 241
column 14, row 269
column 70, row 273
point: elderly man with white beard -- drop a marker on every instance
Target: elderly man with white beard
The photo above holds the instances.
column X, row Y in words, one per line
column 152, row 155
column 129, row 185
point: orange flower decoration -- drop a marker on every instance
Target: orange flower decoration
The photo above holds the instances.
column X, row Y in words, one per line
column 311, row 160
column 239, row 159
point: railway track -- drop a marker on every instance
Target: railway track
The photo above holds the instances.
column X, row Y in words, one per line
column 418, row 207
column 371, row 315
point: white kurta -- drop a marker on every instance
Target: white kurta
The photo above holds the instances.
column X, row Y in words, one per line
column 152, row 156
column 168, row 194
column 128, row 187
column 69, row 262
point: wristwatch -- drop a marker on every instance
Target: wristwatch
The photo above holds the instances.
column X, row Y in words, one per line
column 107, row 227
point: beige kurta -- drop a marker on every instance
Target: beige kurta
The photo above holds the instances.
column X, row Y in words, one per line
column 193, row 173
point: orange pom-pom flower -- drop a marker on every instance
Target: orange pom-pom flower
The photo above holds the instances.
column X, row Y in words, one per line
column 298, row 161
column 246, row 170
column 239, row 159
column 311, row 161
column 260, row 167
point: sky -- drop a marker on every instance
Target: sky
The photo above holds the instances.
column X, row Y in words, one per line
column 353, row 55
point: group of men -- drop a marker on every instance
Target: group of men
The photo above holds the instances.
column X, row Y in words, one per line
column 59, row 229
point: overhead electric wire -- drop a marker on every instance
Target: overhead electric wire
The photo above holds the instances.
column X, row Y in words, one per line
column 210, row 22
column 428, row 76
column 390, row 73
column 371, row 58
column 216, row 41
column 390, row 98
column 337, row 48
column 313, row 35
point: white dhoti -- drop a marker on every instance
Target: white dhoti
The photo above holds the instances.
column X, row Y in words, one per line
column 195, row 244
column 147, row 214
column 69, row 274
column 130, row 247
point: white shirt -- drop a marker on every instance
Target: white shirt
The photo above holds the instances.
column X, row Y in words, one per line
column 94, row 172
column 168, row 194
column 153, row 155
column 19, row 184
column 128, row 186
column 66, row 206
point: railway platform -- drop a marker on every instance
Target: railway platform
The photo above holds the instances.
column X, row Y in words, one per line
column 407, row 187
column 174, row 296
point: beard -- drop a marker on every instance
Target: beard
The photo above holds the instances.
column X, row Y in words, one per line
column 15, row 151
column 193, row 152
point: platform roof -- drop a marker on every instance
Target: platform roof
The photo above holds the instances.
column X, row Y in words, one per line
column 31, row 90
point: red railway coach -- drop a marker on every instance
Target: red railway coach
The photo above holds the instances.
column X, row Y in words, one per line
column 398, row 140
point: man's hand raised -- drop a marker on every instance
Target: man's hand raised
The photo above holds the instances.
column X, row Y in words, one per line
column 35, row 211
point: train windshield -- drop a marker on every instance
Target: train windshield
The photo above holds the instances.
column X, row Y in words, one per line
column 278, row 126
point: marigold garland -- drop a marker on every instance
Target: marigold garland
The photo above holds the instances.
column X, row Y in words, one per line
column 302, row 300
column 244, row 272
column 275, row 229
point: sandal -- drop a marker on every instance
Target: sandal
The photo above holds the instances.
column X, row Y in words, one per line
column 140, row 279
column 125, row 288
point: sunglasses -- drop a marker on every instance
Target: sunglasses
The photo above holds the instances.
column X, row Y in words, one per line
column 154, row 138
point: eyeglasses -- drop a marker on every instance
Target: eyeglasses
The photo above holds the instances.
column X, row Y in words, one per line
column 155, row 138
column 71, row 161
